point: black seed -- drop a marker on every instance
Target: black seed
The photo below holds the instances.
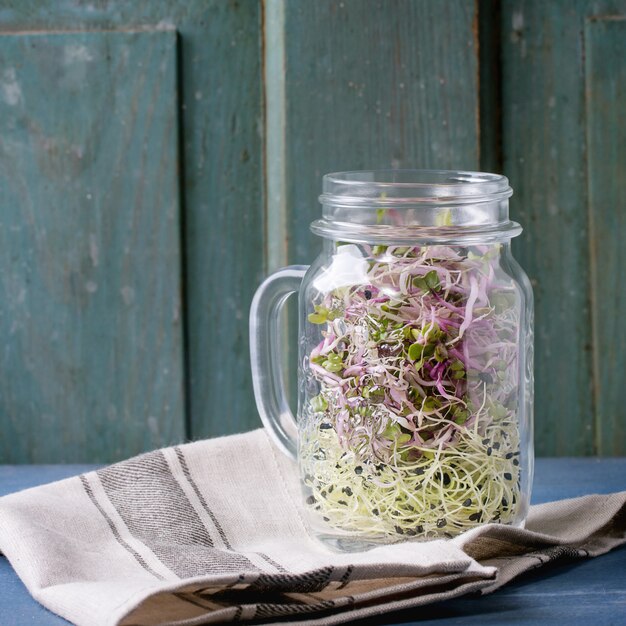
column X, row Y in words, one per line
column 323, row 493
column 516, row 462
column 358, row 469
column 368, row 294
column 432, row 506
column 331, row 488
column 310, row 500
column 507, row 476
column 375, row 511
column 399, row 530
column 496, row 445
column 410, row 507
column 485, row 442
column 474, row 517
column 418, row 471
column 441, row 523
column 467, row 502
column 420, row 529
column 327, row 519
column 505, row 502
column 509, row 455
column 411, row 532
column 325, row 426
column 342, row 502
column 489, row 451
column 446, row 479
column 347, row 491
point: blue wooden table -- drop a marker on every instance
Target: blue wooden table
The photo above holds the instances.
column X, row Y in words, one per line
column 580, row 592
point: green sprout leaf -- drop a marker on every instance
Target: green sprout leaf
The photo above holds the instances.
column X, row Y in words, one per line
column 441, row 353
column 428, row 282
column 319, row 403
column 333, row 363
column 432, row 280
column 316, row 318
column 415, row 351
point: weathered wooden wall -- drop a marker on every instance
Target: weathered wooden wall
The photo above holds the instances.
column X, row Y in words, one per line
column 178, row 218
column 563, row 144
column 153, row 169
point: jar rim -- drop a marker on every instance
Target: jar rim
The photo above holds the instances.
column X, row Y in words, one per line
column 412, row 187
column 415, row 205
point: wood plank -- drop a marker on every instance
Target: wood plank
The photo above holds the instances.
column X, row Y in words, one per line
column 373, row 85
column 605, row 72
column 90, row 319
column 225, row 231
column 544, row 157
column 221, row 180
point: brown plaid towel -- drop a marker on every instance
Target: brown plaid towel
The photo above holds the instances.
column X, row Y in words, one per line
column 213, row 532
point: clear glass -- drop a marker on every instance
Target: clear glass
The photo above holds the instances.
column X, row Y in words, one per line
column 415, row 360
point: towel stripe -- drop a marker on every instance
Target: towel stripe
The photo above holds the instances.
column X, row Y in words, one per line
column 192, row 482
column 216, row 525
column 157, row 512
column 114, row 530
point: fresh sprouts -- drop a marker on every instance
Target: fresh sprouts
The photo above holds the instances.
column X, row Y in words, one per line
column 412, row 431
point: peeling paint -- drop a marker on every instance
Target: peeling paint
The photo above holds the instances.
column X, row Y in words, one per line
column 94, row 252
column 77, row 53
column 128, row 295
column 11, row 90
column 153, row 425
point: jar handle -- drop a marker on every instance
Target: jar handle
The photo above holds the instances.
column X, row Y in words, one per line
column 265, row 356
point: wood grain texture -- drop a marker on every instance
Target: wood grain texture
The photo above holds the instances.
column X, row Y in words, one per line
column 392, row 85
column 373, row 85
column 221, row 179
column 605, row 71
column 90, row 320
column 544, row 157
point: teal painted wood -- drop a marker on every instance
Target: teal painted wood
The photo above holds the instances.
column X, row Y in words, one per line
column 605, row 71
column 225, row 231
column 221, row 120
column 371, row 85
column 90, row 309
column 544, row 157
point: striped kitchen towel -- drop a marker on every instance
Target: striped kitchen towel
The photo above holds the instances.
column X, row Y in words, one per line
column 213, row 532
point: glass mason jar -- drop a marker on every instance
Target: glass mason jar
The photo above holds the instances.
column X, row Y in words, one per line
column 415, row 370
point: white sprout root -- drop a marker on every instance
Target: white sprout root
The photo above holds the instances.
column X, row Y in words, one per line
column 413, row 432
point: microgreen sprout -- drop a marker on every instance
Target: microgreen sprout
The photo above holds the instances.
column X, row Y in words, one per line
column 413, row 430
